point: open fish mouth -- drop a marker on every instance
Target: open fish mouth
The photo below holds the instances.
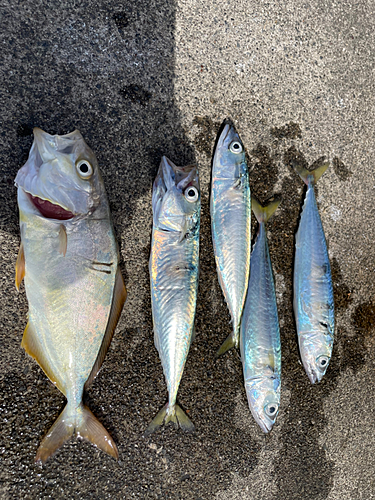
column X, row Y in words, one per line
column 50, row 210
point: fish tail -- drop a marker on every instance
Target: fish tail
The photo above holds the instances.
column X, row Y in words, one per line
column 231, row 341
column 170, row 413
column 84, row 424
column 307, row 175
column 261, row 213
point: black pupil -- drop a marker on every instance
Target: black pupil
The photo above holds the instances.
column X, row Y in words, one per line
column 236, row 145
column 272, row 409
column 323, row 362
column 191, row 193
column 84, row 168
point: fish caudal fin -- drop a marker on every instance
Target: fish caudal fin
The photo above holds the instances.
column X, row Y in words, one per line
column 230, row 341
column 172, row 414
column 60, row 432
column 308, row 174
column 84, row 424
column 261, row 213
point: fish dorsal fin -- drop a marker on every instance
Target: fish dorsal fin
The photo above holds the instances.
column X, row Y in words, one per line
column 118, row 300
column 20, row 267
column 31, row 344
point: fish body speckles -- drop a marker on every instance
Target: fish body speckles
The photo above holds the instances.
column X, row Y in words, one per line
column 260, row 333
column 174, row 269
column 313, row 290
column 231, row 224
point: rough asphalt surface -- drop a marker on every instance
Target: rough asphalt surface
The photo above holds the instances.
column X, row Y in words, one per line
column 146, row 78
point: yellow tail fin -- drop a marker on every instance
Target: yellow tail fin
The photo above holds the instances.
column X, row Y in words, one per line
column 172, row 414
column 84, row 424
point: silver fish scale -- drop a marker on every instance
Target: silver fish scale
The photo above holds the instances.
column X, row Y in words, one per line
column 260, row 334
column 174, row 268
column 313, row 290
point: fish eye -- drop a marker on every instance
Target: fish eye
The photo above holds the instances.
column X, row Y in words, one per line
column 271, row 409
column 236, row 147
column 322, row 362
column 84, row 169
column 191, row 194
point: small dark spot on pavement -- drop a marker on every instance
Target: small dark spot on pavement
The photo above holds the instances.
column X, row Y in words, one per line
column 341, row 170
column 121, row 20
column 364, row 318
column 137, row 94
column 289, row 131
column 341, row 292
column 24, row 129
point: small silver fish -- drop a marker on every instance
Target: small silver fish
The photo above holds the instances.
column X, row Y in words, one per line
column 260, row 333
column 69, row 259
column 174, row 268
column 313, row 291
column 231, row 225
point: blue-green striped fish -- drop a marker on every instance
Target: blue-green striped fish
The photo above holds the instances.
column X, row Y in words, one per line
column 260, row 333
column 313, row 291
column 231, row 225
column 174, row 268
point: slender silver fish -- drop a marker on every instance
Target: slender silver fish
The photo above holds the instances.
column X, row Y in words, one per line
column 313, row 291
column 231, row 225
column 174, row 267
column 260, row 333
column 69, row 260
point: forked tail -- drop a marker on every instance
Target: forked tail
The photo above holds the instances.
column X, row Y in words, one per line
column 170, row 414
column 84, row 424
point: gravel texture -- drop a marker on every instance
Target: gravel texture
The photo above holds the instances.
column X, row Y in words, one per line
column 142, row 79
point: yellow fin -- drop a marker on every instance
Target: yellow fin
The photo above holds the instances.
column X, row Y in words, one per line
column 20, row 267
column 63, row 240
column 33, row 348
column 177, row 416
column 84, row 424
column 231, row 341
column 306, row 175
column 261, row 213
column 118, row 301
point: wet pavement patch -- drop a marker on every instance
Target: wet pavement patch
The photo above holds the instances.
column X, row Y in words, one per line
column 137, row 94
column 341, row 170
column 289, row 131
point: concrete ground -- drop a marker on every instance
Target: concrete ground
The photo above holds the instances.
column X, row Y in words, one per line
column 142, row 79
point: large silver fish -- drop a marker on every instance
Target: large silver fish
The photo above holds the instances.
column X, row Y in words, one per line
column 313, row 291
column 69, row 259
column 260, row 333
column 174, row 267
column 231, row 225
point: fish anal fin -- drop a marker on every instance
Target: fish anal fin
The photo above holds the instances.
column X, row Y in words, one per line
column 20, row 267
column 118, row 301
column 88, row 427
column 63, row 240
column 33, row 348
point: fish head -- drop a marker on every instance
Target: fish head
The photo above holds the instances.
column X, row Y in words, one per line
column 263, row 395
column 61, row 176
column 176, row 198
column 316, row 351
column 229, row 159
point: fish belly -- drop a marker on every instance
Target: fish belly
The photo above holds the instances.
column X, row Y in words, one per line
column 69, row 296
column 231, row 221
column 174, row 283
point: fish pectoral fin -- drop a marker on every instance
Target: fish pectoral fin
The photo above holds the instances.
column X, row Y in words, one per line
column 60, row 432
column 170, row 414
column 63, row 240
column 118, row 301
column 229, row 342
column 20, row 267
column 31, row 344
column 88, row 427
